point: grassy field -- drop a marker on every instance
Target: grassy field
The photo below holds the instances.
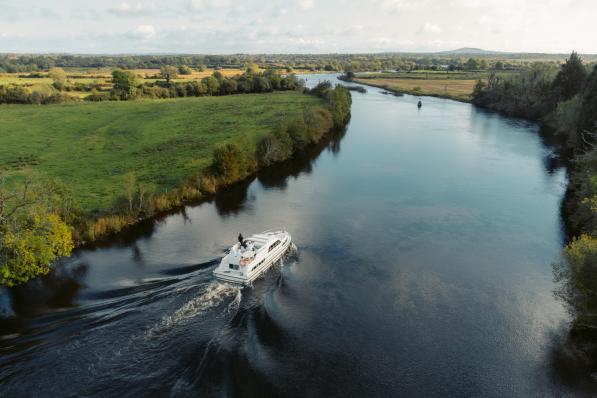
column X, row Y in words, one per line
column 434, row 75
column 458, row 89
column 92, row 146
column 103, row 78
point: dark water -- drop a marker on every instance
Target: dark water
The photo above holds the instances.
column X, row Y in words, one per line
column 425, row 241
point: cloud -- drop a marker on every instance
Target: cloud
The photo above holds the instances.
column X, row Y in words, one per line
column 197, row 5
column 398, row 5
column 306, row 4
column 143, row 32
column 122, row 9
column 129, row 10
column 430, row 28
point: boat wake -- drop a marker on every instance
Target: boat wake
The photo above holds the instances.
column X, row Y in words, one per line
column 213, row 296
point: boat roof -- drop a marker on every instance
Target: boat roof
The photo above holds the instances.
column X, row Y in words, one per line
column 261, row 238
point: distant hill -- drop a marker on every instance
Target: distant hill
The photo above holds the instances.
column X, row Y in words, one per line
column 468, row 51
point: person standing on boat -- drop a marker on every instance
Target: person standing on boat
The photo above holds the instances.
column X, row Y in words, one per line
column 241, row 240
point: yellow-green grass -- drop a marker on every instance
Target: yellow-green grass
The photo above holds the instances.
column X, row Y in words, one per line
column 434, row 75
column 458, row 89
column 92, row 146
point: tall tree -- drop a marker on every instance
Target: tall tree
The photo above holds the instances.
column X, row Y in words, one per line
column 570, row 78
column 587, row 120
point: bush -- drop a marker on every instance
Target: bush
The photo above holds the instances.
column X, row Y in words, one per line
column 298, row 132
column 228, row 162
column 318, row 121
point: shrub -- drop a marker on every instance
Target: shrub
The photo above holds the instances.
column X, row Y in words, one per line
column 319, row 121
column 228, row 162
column 298, row 132
column 208, row 184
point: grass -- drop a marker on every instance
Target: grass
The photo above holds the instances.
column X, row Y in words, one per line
column 458, row 89
column 434, row 75
column 92, row 146
column 103, row 77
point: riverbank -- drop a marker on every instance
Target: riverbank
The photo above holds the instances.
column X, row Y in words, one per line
column 121, row 163
column 458, row 89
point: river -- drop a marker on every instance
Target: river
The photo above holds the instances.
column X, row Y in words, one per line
column 425, row 241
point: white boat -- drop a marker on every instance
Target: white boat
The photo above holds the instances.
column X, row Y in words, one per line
column 248, row 259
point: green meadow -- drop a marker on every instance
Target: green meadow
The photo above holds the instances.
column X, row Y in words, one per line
column 92, row 147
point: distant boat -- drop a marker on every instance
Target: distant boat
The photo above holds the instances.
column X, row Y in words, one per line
column 419, row 104
column 251, row 257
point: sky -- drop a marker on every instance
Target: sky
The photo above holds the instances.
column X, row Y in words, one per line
column 296, row 26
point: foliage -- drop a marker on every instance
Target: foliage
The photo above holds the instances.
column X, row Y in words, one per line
column 228, row 162
column 576, row 278
column 15, row 94
column 339, row 99
column 58, row 77
column 32, row 231
column 528, row 94
column 570, row 78
column 168, row 72
column 587, row 116
column 185, row 70
column 28, row 251
column 124, row 83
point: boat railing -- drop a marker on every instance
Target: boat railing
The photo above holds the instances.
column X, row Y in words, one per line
column 276, row 229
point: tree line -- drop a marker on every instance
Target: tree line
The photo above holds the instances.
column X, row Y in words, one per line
column 126, row 86
column 15, row 63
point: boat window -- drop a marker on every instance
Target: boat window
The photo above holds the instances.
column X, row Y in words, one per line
column 231, row 266
column 276, row 243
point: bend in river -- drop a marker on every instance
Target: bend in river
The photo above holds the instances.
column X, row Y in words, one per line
column 425, row 242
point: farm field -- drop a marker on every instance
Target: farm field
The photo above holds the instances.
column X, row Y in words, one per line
column 459, row 89
column 102, row 78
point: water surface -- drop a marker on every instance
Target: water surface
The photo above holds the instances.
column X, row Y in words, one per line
column 425, row 241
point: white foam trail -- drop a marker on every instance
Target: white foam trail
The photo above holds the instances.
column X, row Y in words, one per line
column 235, row 304
column 214, row 295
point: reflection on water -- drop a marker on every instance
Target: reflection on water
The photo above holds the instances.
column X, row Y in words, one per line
column 424, row 237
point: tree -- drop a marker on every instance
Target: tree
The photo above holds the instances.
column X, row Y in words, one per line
column 570, row 78
column 218, row 75
column 228, row 86
column 168, row 72
column 124, row 84
column 130, row 184
column 472, row 64
column 252, row 69
column 212, row 85
column 32, row 231
column 58, row 77
column 587, row 120
column 185, row 70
